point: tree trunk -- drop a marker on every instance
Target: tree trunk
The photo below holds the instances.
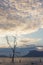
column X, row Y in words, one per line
column 13, row 57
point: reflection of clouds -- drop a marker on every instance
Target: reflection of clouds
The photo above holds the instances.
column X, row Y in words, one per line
column 24, row 16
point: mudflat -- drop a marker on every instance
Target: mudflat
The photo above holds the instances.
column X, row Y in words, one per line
column 22, row 61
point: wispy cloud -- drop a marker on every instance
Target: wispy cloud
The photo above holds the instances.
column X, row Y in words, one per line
column 28, row 41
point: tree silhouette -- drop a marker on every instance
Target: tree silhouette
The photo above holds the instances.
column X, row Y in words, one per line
column 13, row 49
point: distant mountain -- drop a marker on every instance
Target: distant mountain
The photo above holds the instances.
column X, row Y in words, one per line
column 7, row 52
column 34, row 53
column 30, row 51
column 4, row 56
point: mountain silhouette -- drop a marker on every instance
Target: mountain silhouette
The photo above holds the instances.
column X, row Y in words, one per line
column 34, row 53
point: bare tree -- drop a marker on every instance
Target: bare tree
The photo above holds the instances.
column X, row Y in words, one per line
column 13, row 49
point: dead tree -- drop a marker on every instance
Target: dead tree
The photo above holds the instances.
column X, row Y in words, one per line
column 13, row 49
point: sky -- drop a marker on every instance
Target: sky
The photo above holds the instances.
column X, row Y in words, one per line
column 22, row 19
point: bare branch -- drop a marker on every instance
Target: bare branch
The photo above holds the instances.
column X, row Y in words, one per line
column 8, row 43
column 15, row 42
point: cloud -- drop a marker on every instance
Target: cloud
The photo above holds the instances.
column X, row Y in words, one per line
column 21, row 16
column 28, row 41
column 40, row 48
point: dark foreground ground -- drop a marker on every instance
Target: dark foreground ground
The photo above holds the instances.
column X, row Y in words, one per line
column 22, row 61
